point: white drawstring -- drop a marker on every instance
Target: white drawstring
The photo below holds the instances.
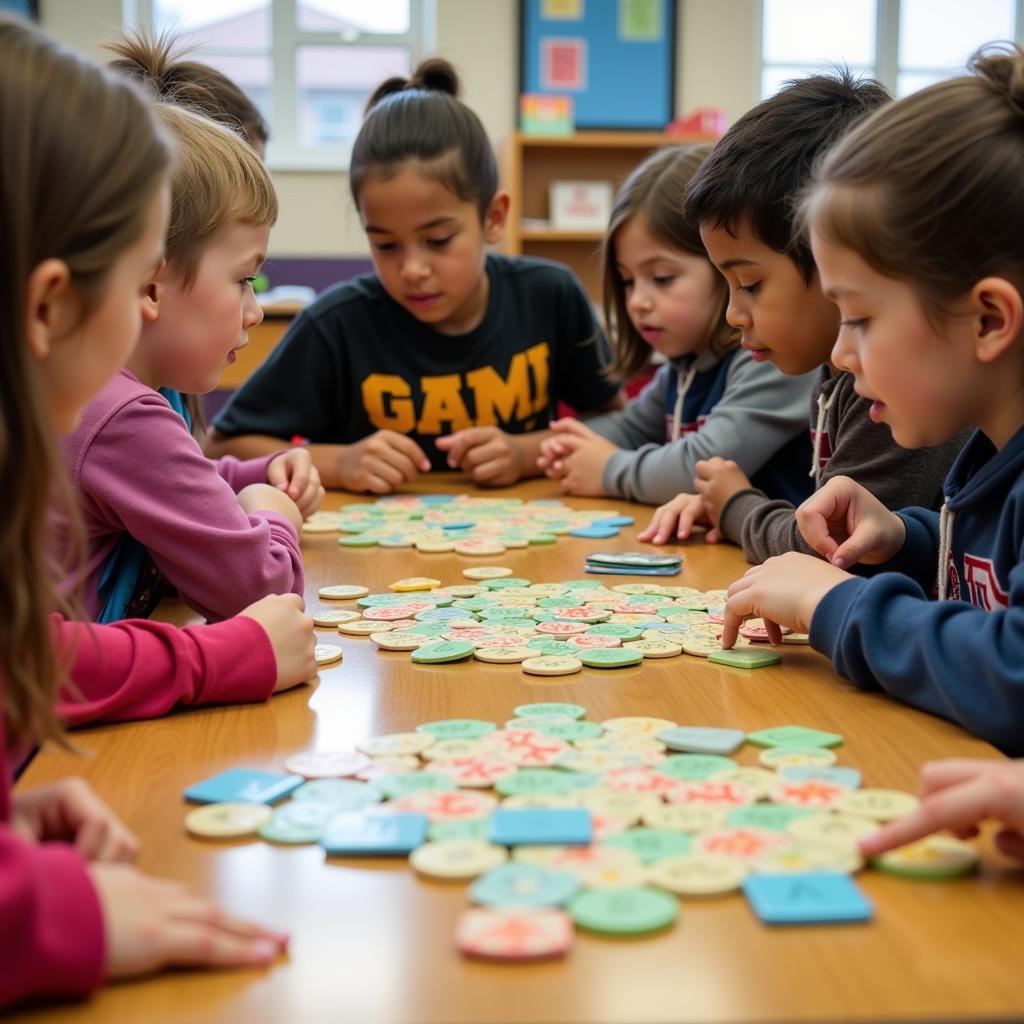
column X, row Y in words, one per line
column 683, row 383
column 824, row 404
column 946, row 517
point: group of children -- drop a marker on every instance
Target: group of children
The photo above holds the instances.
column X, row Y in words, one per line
column 134, row 221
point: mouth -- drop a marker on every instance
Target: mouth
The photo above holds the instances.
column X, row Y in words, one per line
column 757, row 352
column 877, row 409
column 422, row 299
column 231, row 356
column 649, row 333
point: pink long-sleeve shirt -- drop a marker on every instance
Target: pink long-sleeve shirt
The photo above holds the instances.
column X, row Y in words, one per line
column 137, row 470
column 51, row 926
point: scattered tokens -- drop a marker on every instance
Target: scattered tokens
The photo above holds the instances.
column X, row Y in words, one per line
column 327, row 654
column 364, row 627
column 413, row 583
column 331, row 617
column 745, row 657
column 342, row 592
column 624, row 911
column 778, row 757
column 934, row 857
column 457, row 858
column 299, row 822
column 227, row 820
column 443, row 651
column 513, row 934
column 878, row 804
column 504, row 655
column 655, row 648
column 486, row 572
column 552, row 665
column 324, row 764
column 568, row 710
column 698, row 874
column 610, row 657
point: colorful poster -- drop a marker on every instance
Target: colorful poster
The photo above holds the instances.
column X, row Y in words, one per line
column 562, row 10
column 640, row 20
column 563, row 64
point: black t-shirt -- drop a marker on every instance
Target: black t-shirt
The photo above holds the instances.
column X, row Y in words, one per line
column 355, row 362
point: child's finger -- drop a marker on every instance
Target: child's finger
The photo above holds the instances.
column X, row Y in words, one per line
column 484, row 451
column 491, row 470
column 950, row 771
column 411, row 450
column 457, row 444
column 713, row 536
column 1010, row 842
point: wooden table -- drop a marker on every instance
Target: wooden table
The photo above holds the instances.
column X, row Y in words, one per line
column 373, row 943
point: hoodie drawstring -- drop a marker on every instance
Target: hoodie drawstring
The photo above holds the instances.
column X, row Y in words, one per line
column 946, row 518
column 824, row 404
column 683, row 382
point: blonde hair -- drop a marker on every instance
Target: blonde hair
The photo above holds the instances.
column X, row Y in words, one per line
column 654, row 191
column 82, row 162
column 930, row 189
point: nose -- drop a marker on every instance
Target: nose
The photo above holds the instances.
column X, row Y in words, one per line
column 252, row 311
column 638, row 301
column 844, row 351
column 735, row 312
column 414, row 269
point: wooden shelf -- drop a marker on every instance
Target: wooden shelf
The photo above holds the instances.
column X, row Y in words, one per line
column 554, row 235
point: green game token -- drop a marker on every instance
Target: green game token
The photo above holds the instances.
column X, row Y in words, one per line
column 533, row 710
column 542, row 538
column 501, row 613
column 625, row 633
column 534, row 781
column 624, row 911
column 342, row 794
column 774, row 817
column 651, row 844
column 474, row 604
column 403, row 783
column 559, row 602
column 534, row 722
column 548, row 645
column 608, row 657
column 504, row 582
column 745, row 657
column 427, row 629
column 443, row 651
column 570, row 731
column 304, row 821
column 794, row 735
column 358, row 540
column 457, row 728
column 581, row 584
column 694, row 767
column 475, row 828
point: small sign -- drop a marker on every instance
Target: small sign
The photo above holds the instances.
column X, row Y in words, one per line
column 580, row 205
column 561, row 10
column 545, row 115
column 563, row 64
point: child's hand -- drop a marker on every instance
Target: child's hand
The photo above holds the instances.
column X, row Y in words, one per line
column 487, row 455
column 291, row 635
column 70, row 811
column 151, row 923
column 381, row 462
column 716, row 482
column 264, row 498
column 957, row 794
column 784, row 591
column 582, row 469
column 294, row 473
column 679, row 515
column 846, row 524
column 551, row 451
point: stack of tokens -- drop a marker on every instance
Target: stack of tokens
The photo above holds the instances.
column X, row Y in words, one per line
column 471, row 526
column 559, row 823
column 549, row 629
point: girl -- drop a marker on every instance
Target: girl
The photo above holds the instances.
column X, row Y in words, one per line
column 917, row 227
column 83, row 212
column 709, row 398
column 227, row 533
column 447, row 356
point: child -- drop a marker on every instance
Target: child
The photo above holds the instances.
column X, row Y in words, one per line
column 709, row 398
column 447, row 356
column 917, row 226
column 83, row 213
column 155, row 507
column 742, row 200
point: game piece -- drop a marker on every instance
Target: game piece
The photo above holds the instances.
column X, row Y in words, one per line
column 526, row 801
column 803, row 856
column 610, row 657
column 552, row 708
column 454, row 747
column 342, row 592
column 830, row 829
column 698, row 874
column 524, row 885
column 392, row 613
column 457, row 859
column 396, row 743
column 936, row 857
column 638, row 725
column 552, row 665
column 793, row 755
column 759, row 781
column 360, row 540
column 527, row 748
column 774, row 817
column 459, row 828
column 363, row 628
column 332, row 616
column 849, row 778
column 324, row 764
column 506, row 583
column 595, row 532
column 327, row 654
column 413, row 583
column 624, row 911
column 588, row 641
column 570, row 731
column 625, row 632
column 481, row 770
column 651, row 845
column 479, row 547
column 655, row 648
column 442, row 651
column 453, row 805
column 811, row 898
column 456, row 728
column 690, row 818
column 812, row 793
column 702, row 740
column 792, row 735
column 878, row 804
column 700, row 645
column 544, row 780
column 506, row 934
column 399, row 640
column 755, row 629
column 243, row 785
column 396, row 785
column 744, row 842
column 504, row 655
column 634, row 559
column 745, row 657
column 435, row 547
column 342, row 794
column 364, row 833
column 486, row 572
column 800, row 639
column 712, row 794
column 299, row 822
column 541, row 826
column 227, row 820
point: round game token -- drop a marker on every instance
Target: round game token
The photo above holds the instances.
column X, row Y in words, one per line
column 691, row 818
column 402, row 784
column 635, row 742
column 227, row 820
column 399, row 640
column 814, row 794
column 363, row 628
column 746, row 843
column 504, row 655
column 529, row 801
column 779, row 757
column 513, row 934
column 759, row 781
column 456, row 728
column 453, row 805
column 326, row 764
column 631, row 807
column 597, row 866
column 413, row 583
column 695, row 767
column 698, row 645
column 547, row 645
column 655, row 648
column 486, row 572
column 936, row 857
column 638, row 588
column 562, row 629
column 713, row 794
column 342, row 794
column 878, row 804
column 395, row 764
column 570, row 731
column 327, row 654
column 598, row 761
column 801, row 639
column 326, row 525
column 551, row 708
column 587, row 614
column 525, row 748
column 624, row 911
column 457, row 858
column 698, row 874
column 479, row 547
column 755, row 629
column 638, row 725
column 396, row 743
column 591, row 642
column 651, row 844
column 358, row 540
column 456, row 746
column 435, row 547
column 460, row 828
column 622, row 630
column 842, row 829
column 480, row 770
column 552, row 665
column 534, row 781
column 302, row 821
column 640, row 780
column 801, row 857
column 342, row 592
column 332, row 616
column 524, row 885
column 443, row 651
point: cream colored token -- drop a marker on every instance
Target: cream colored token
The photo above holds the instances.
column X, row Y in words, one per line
column 836, row 829
column 399, row 640
column 364, row 627
column 547, row 801
column 935, row 856
column 397, row 762
column 786, row 757
column 479, row 547
column 759, row 781
column 690, row 818
column 321, row 526
column 638, row 725
column 546, row 589
column 443, row 749
column 699, row 646
column 396, row 743
column 486, row 572
column 504, row 655
column 629, row 807
column 342, row 592
column 552, row 665
column 596, row 866
column 878, row 804
column 327, row 654
column 414, row 583
column 435, row 547
column 655, row 648
column 627, row 741
column 637, row 588
column 461, row 590
column 457, row 858
column 804, row 856
column 698, row 874
column 802, row 639
column 226, row 821
column 332, row 616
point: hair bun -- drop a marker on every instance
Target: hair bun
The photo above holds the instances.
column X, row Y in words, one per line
column 1001, row 67
column 436, row 75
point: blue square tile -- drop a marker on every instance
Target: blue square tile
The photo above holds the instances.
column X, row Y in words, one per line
column 541, row 826
column 815, row 897
column 243, row 785
column 369, row 834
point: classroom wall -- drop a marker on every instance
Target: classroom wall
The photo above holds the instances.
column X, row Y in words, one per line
column 716, row 50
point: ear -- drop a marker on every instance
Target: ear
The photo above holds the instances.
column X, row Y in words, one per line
column 998, row 317
column 153, row 294
column 497, row 215
column 50, row 304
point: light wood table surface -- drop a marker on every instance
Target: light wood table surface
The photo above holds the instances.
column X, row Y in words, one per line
column 373, row 943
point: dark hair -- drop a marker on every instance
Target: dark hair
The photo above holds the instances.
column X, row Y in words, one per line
column 160, row 65
column 654, row 192
column 422, row 119
column 930, row 190
column 763, row 163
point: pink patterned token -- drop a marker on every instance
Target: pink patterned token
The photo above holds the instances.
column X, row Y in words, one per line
column 593, row 640
column 449, row 806
column 641, row 780
column 492, row 640
column 742, row 843
column 637, row 609
column 470, row 633
column 716, row 617
column 513, row 933
column 713, row 794
column 815, row 794
column 603, row 826
column 403, row 623
column 561, row 628
column 759, row 633
column 474, row 772
column 526, row 748
column 391, row 612
column 575, row 613
column 325, row 764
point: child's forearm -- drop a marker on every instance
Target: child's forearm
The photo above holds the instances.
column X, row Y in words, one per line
column 244, row 446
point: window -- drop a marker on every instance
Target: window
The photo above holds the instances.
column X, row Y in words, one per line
column 308, row 65
column 906, row 44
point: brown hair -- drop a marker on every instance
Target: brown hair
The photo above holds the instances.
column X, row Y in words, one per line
column 82, row 162
column 654, row 191
column 930, row 189
column 160, row 65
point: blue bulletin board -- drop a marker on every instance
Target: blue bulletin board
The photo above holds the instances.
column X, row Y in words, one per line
column 615, row 58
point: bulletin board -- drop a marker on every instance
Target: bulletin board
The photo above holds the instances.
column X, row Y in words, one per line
column 615, row 58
